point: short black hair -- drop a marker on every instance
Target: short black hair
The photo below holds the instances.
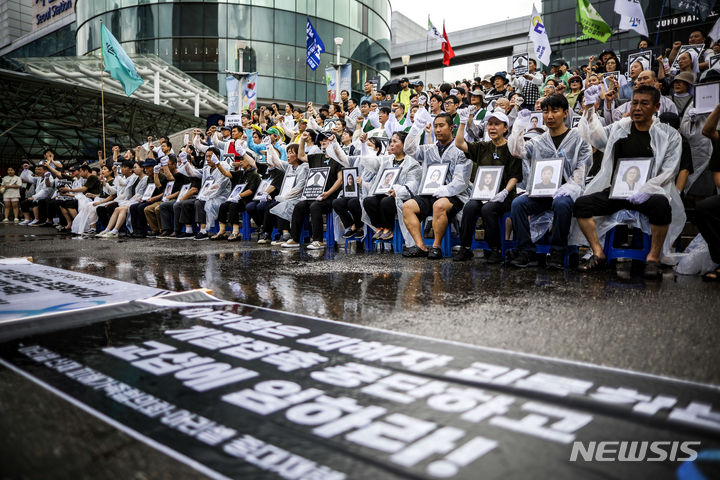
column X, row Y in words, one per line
column 365, row 102
column 292, row 107
column 555, row 101
column 345, row 91
column 446, row 116
column 453, row 98
column 445, row 88
column 168, row 142
column 215, row 151
column 353, row 100
column 401, row 105
column 648, row 90
column 128, row 163
column 236, row 127
column 172, row 158
column 385, row 110
column 437, row 97
column 401, row 135
column 533, row 61
column 85, row 167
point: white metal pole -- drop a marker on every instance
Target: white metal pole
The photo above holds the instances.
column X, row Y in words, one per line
column 157, row 88
column 337, row 81
column 197, row 104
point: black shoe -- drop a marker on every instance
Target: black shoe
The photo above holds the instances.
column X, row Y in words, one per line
column 138, row 235
column 349, row 233
column 435, row 253
column 493, row 256
column 653, row 270
column 358, row 233
column 48, row 224
column 463, row 254
column 201, row 236
column 556, row 260
column 153, row 235
column 165, row 233
column 184, row 235
column 415, row 252
column 523, row 260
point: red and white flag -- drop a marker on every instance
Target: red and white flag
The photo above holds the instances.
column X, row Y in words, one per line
column 448, row 52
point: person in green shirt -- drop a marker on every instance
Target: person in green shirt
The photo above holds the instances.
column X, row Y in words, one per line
column 404, row 94
column 561, row 72
column 451, row 105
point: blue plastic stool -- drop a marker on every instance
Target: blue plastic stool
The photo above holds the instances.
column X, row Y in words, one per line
column 612, row 253
column 366, row 240
column 330, row 231
column 544, row 249
column 505, row 245
column 446, row 243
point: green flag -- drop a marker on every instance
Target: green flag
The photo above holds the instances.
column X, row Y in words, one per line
column 592, row 23
column 117, row 62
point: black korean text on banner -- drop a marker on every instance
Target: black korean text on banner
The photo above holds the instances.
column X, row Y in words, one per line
column 227, row 386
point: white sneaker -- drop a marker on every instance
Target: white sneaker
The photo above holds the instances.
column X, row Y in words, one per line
column 5, row 220
column 111, row 235
column 101, row 234
column 290, row 244
column 17, row 220
column 316, row 246
column 33, row 223
column 24, row 222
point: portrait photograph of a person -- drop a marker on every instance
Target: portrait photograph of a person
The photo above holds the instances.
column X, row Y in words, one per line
column 350, row 186
column 434, row 179
column 386, row 180
column 546, row 177
column 630, row 175
column 536, row 120
column 487, row 182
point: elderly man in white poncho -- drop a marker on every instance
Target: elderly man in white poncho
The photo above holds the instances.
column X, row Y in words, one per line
column 641, row 135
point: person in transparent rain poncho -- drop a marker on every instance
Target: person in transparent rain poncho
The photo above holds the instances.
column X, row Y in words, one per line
column 641, row 135
column 557, row 142
column 380, row 211
column 204, row 211
column 446, row 202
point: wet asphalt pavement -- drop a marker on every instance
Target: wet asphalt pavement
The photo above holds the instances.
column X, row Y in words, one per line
column 615, row 318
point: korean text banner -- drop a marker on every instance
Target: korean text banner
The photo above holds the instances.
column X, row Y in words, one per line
column 247, row 392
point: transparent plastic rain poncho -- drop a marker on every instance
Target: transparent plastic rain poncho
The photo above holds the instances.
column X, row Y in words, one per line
column 666, row 143
column 218, row 196
column 578, row 160
column 369, row 166
column 286, row 204
column 700, row 146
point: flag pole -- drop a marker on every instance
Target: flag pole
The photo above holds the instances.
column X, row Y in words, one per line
column 102, row 90
column 657, row 34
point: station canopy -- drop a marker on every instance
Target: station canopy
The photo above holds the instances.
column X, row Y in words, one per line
column 55, row 103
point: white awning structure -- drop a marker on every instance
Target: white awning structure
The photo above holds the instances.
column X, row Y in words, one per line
column 164, row 85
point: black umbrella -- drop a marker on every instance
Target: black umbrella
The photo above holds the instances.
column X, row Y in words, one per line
column 392, row 87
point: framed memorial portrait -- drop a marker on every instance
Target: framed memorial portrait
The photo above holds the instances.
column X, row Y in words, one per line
column 545, row 177
column 262, row 188
column 642, row 56
column 536, row 120
column 386, row 180
column 707, row 96
column 699, row 49
column 615, row 76
column 315, row 186
column 520, row 63
column 287, row 185
column 350, row 186
column 168, row 190
column 229, row 158
column 149, row 190
column 183, row 190
column 714, row 62
column 487, row 183
column 235, row 194
column 206, row 189
column 434, row 178
column 574, row 122
column 630, row 175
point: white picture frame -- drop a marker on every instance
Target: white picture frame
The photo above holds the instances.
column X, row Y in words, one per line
column 536, row 120
column 699, row 49
column 206, row 189
column 262, row 188
column 520, row 63
column 634, row 57
column 487, row 182
column 630, row 175
column 168, row 190
column 149, row 190
column 545, row 177
column 707, row 96
column 235, row 194
column 183, row 190
column 434, row 178
column 350, row 186
column 386, row 180
column 287, row 185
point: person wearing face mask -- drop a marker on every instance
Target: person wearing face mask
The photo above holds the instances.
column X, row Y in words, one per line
column 682, row 92
column 492, row 153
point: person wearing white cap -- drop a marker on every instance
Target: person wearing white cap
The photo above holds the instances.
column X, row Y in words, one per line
column 492, row 153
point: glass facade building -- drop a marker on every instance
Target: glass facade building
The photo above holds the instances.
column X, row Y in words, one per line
column 206, row 39
column 559, row 17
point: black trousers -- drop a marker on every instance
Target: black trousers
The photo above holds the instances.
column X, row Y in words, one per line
column 657, row 208
column 349, row 211
column 491, row 212
column 137, row 217
column 271, row 221
column 256, row 210
column 187, row 213
column 707, row 216
column 104, row 212
column 382, row 210
column 230, row 212
column 42, row 204
column 316, row 210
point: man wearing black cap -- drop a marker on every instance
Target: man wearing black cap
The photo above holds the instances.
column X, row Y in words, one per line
column 561, row 72
column 403, row 95
column 419, row 85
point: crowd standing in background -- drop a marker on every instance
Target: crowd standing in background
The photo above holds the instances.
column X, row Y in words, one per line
column 557, row 157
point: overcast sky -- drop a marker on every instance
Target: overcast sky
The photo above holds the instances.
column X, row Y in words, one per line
column 460, row 15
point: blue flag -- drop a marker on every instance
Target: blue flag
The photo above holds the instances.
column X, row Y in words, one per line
column 116, row 61
column 315, row 46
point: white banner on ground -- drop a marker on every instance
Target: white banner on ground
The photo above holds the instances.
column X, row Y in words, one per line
column 30, row 290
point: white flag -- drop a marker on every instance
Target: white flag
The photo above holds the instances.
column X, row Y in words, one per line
column 631, row 16
column 715, row 32
column 434, row 33
column 539, row 37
